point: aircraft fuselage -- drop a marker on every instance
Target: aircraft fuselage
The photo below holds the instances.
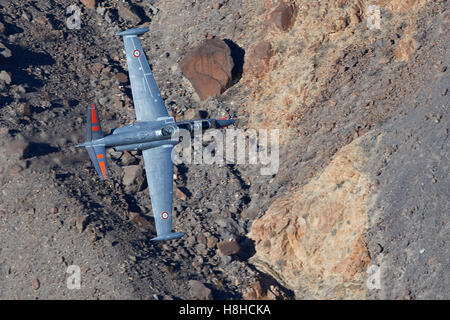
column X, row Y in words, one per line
column 150, row 134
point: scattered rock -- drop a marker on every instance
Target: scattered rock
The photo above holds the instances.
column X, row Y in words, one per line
column 199, row 291
column 90, row 4
column 258, row 59
column 257, row 292
column 25, row 109
column 406, row 46
column 153, row 9
column 35, row 283
column 4, row 51
column 122, row 77
column 403, row 5
column 19, row 148
column 208, row 67
column 131, row 173
column 211, row 242
column 5, row 76
column 93, row 238
column 115, row 154
column 15, row 169
column 127, row 14
column 54, row 210
column 128, row 159
column 100, row 10
column 81, row 222
column 189, row 114
column 407, row 295
column 282, row 17
column 140, row 221
column 250, row 213
column 228, row 248
column 179, row 194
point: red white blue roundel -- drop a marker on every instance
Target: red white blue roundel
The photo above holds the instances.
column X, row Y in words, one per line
column 137, row 53
column 165, row 215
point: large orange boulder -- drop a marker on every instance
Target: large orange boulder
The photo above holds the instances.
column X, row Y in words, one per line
column 208, row 67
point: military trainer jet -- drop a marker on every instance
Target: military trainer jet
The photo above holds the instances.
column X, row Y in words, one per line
column 151, row 133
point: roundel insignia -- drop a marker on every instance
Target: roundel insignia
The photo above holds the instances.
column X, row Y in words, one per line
column 136, row 53
column 165, row 215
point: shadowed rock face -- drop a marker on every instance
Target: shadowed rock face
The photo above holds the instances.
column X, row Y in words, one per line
column 208, row 67
column 312, row 239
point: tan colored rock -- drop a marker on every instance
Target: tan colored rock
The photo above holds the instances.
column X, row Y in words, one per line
column 131, row 173
column 305, row 63
column 211, row 242
column 35, row 283
column 282, row 17
column 140, row 221
column 178, row 193
column 90, row 4
column 258, row 58
column 312, row 240
column 257, row 292
column 208, row 67
column 126, row 13
column 25, row 109
column 122, row 77
column 5, row 76
column 406, row 46
column 403, row 5
column 4, row 51
column 189, row 114
column 199, row 291
column 81, row 222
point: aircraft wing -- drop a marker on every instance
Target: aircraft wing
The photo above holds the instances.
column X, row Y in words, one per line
column 159, row 170
column 148, row 103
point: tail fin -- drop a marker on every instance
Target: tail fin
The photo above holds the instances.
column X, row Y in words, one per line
column 169, row 236
column 93, row 128
column 98, row 158
column 97, row 152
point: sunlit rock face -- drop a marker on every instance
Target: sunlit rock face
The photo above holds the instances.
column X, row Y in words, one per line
column 312, row 239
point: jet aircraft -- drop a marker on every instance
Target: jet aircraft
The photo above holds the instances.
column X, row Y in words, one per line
column 152, row 133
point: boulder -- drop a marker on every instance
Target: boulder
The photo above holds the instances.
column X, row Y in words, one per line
column 131, row 173
column 199, row 291
column 258, row 58
column 313, row 239
column 127, row 14
column 128, row 159
column 208, row 67
column 5, row 76
column 90, row 4
column 228, row 248
column 4, row 51
column 282, row 17
column 122, row 77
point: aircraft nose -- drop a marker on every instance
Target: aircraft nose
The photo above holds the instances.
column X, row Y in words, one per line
column 225, row 122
